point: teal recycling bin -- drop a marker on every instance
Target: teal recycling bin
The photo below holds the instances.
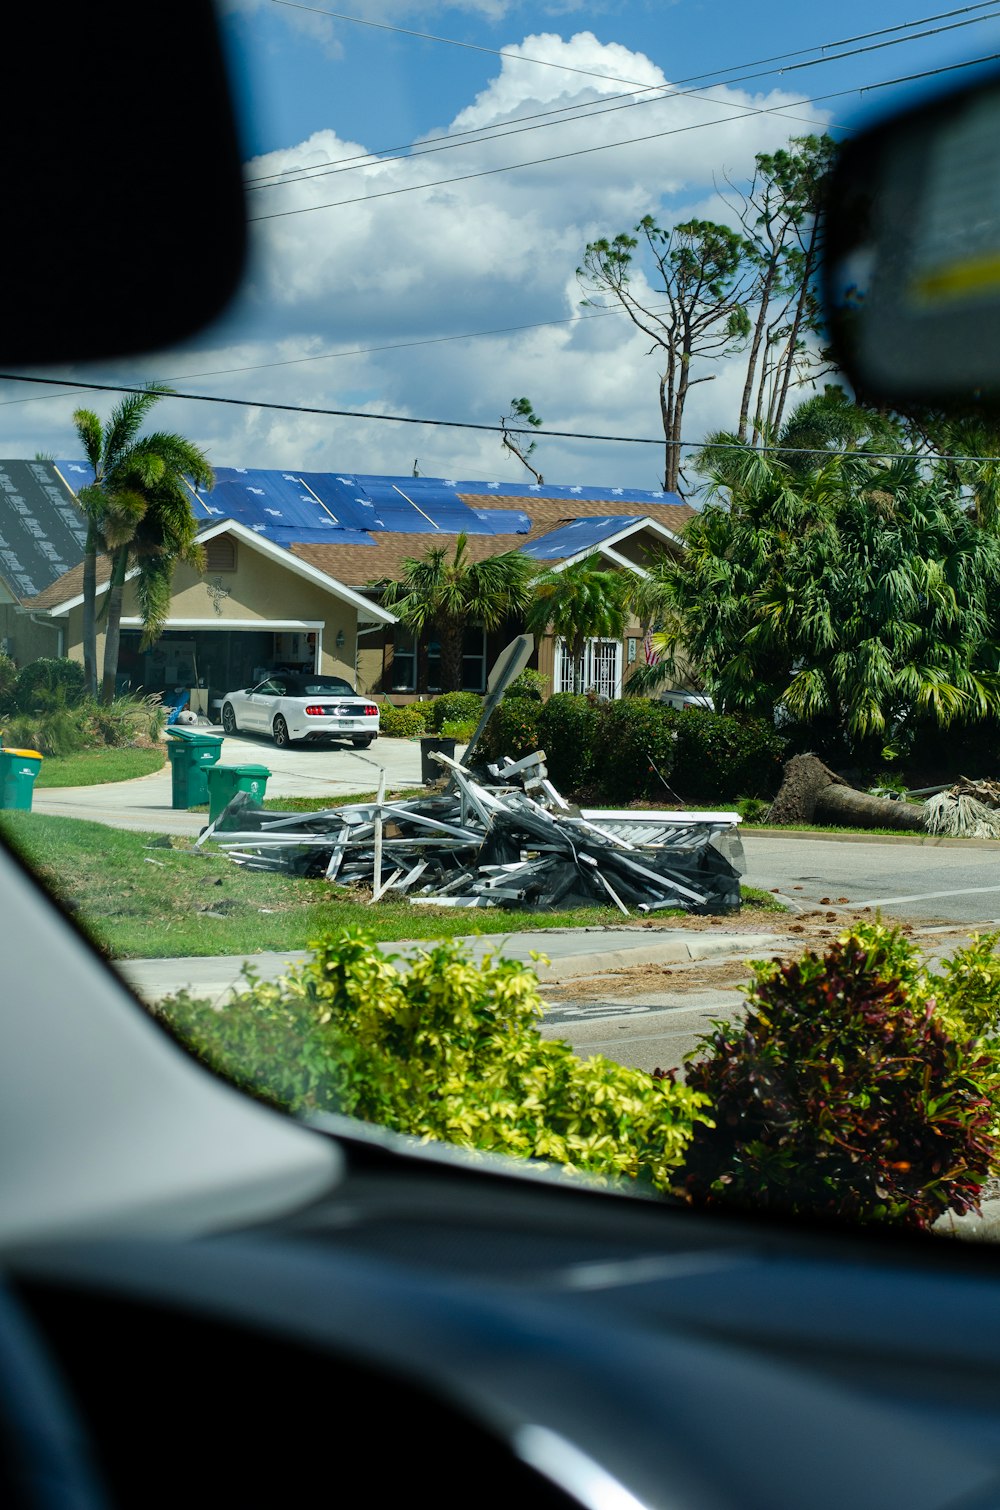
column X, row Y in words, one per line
column 191, row 752
column 18, row 769
column 224, row 781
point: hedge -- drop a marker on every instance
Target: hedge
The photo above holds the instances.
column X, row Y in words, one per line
column 618, row 752
column 567, row 728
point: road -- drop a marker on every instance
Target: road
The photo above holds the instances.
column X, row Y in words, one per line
column 954, row 881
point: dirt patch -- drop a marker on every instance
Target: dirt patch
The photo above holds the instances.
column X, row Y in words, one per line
column 814, row 930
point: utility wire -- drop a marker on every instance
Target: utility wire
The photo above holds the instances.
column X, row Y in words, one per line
column 518, row 57
column 631, row 141
column 461, row 424
column 652, row 94
column 354, row 351
column 465, row 335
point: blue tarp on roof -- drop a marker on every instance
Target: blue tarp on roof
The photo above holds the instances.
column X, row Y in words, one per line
column 349, row 508
column 581, row 535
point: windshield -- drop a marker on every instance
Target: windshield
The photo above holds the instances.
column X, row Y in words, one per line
column 665, row 651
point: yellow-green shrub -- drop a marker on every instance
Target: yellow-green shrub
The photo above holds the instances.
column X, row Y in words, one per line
column 446, row 1049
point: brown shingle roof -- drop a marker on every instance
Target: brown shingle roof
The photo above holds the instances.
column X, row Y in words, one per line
column 69, row 585
column 549, row 513
column 356, row 565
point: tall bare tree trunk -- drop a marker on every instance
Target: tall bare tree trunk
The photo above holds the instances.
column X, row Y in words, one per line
column 758, row 336
column 800, row 309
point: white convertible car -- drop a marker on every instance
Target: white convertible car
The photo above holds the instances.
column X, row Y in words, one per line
column 293, row 707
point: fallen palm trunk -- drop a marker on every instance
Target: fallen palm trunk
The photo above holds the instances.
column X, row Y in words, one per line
column 507, row 839
column 812, row 793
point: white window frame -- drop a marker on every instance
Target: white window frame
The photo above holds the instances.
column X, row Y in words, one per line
column 562, row 675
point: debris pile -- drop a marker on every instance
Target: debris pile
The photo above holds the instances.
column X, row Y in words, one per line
column 507, row 839
column 969, row 810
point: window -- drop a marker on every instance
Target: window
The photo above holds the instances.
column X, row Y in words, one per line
column 601, row 668
column 473, row 662
column 403, row 667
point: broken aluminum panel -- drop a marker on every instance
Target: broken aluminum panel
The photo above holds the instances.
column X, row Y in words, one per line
column 509, row 839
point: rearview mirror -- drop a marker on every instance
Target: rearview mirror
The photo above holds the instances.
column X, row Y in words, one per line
column 122, row 191
column 912, row 275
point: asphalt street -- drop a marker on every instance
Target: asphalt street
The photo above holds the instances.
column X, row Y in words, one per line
column 955, row 881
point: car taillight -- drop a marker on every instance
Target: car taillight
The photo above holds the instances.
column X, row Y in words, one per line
column 315, row 710
column 371, row 710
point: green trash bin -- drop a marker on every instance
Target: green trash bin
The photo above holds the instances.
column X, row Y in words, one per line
column 191, row 752
column 224, row 781
column 18, row 769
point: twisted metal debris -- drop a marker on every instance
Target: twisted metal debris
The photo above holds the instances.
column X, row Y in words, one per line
column 504, row 838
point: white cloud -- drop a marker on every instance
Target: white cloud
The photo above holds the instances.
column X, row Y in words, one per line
column 481, row 254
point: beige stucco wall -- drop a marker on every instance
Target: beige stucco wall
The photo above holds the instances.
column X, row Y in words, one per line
column 28, row 641
column 259, row 589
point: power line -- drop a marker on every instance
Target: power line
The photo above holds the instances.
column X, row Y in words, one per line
column 632, row 141
column 326, row 356
column 461, row 424
column 653, row 94
column 517, row 57
column 470, row 335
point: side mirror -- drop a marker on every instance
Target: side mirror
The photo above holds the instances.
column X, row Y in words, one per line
column 912, row 273
column 122, row 193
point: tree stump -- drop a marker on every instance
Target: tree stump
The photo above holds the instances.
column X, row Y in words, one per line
column 812, row 793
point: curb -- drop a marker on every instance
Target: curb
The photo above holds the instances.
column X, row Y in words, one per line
column 933, row 841
column 674, row 951
column 972, row 1228
column 141, row 975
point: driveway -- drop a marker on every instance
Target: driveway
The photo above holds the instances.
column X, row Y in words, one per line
column 299, row 771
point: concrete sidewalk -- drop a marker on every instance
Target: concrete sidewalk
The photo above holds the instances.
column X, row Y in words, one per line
column 570, row 952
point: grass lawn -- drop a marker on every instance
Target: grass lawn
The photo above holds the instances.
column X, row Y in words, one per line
column 147, row 896
column 93, row 767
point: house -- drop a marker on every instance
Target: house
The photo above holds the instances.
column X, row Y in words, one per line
column 290, row 557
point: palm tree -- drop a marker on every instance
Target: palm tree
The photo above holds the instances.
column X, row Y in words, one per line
column 858, row 597
column 138, row 513
column 446, row 590
column 582, row 602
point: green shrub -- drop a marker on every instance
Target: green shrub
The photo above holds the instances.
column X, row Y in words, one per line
column 452, row 707
column 529, row 684
column 752, row 809
column 129, row 720
column 631, row 737
column 402, row 723
column 844, row 1093
column 89, row 725
column 566, row 731
column 8, row 682
column 460, row 729
column 446, row 1049
column 513, row 731
column 51, row 682
column 718, row 757
column 61, row 731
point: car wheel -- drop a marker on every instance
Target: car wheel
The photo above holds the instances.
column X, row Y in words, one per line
column 228, row 719
column 279, row 732
column 362, row 741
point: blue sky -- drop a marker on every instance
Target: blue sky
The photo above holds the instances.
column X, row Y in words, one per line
column 338, row 298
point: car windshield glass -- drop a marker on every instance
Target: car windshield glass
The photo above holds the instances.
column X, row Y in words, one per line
column 737, row 631
column 320, row 685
